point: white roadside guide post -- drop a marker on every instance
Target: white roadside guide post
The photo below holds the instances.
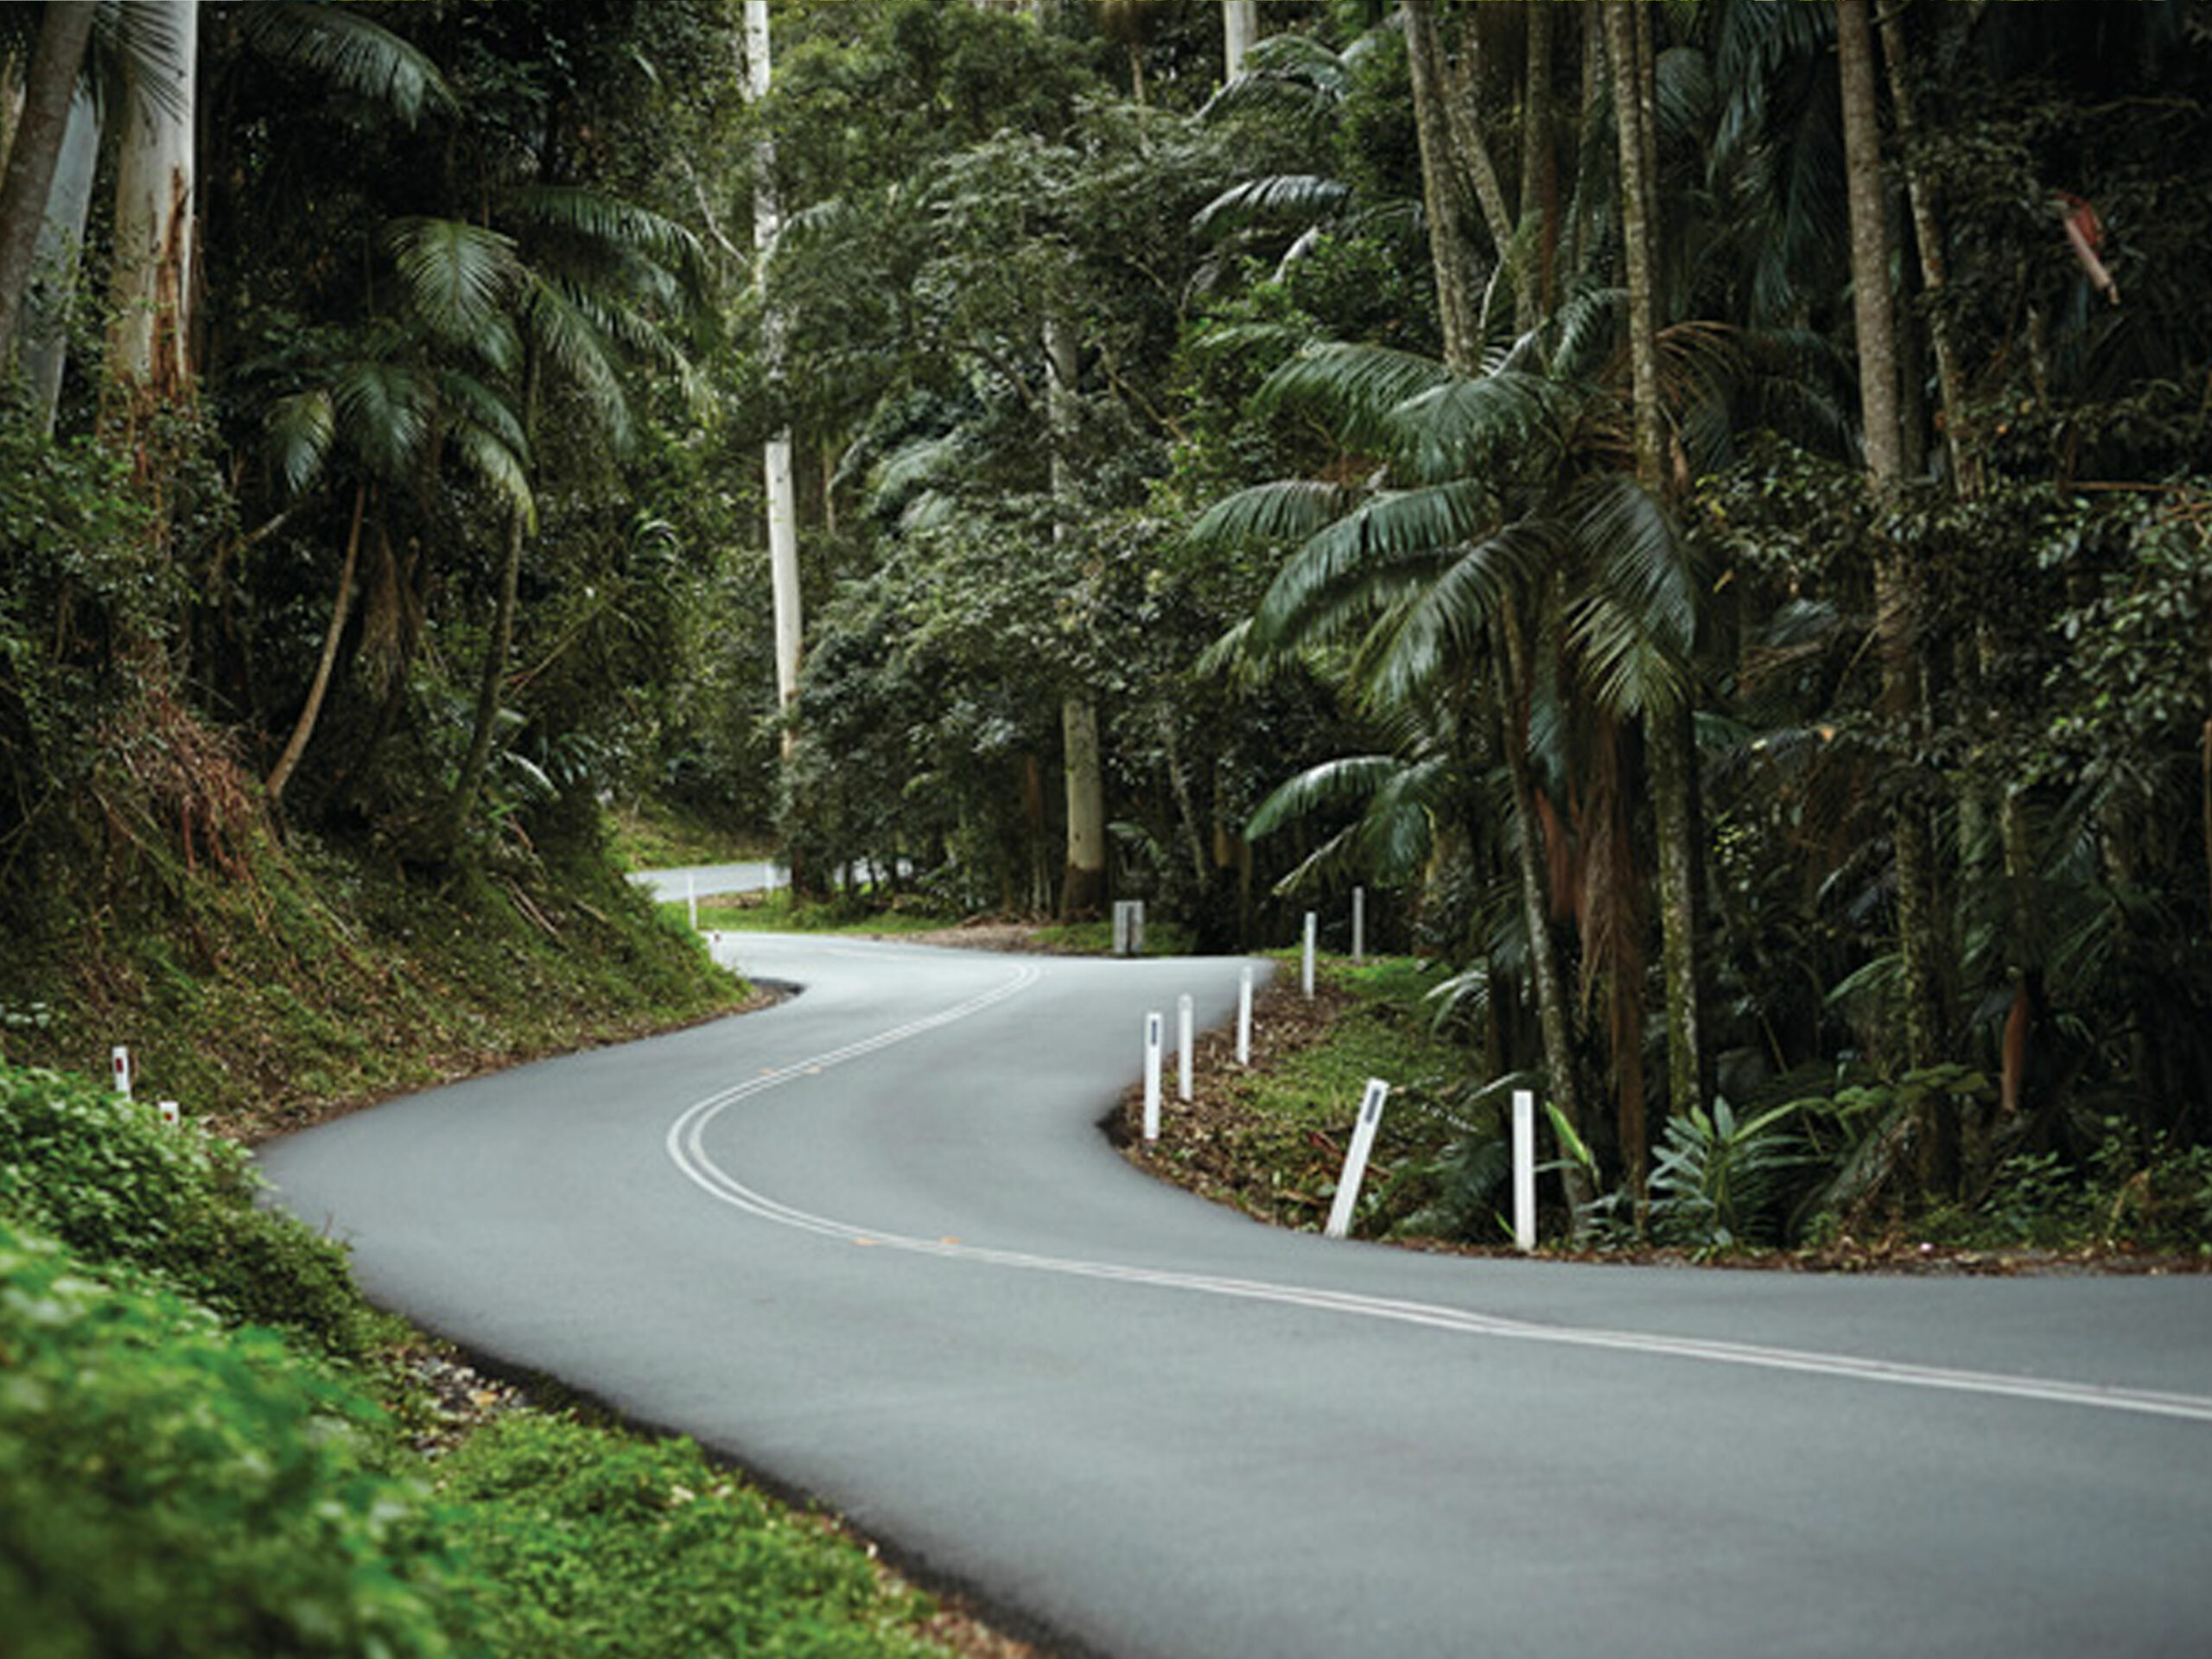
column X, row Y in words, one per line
column 1182, row 1047
column 1244, row 1017
column 1524, row 1170
column 1152, row 1077
column 119, row 1057
column 691, row 900
column 1307, row 978
column 172, row 1113
column 1359, row 923
column 1363, row 1144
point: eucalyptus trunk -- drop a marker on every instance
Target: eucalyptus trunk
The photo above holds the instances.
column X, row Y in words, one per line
column 49, row 89
column 1083, row 877
column 45, row 324
column 148, row 341
column 1895, row 598
column 776, row 455
column 1240, row 33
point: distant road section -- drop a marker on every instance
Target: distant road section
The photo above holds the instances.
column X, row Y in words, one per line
column 703, row 879
column 871, row 1242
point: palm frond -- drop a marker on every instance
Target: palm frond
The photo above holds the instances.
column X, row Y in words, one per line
column 574, row 346
column 1286, row 509
column 498, row 468
column 1401, row 528
column 607, row 219
column 1468, row 426
column 1354, row 388
column 300, row 429
column 1282, row 199
column 388, row 409
column 350, row 52
column 1445, row 625
column 458, row 277
column 1349, row 780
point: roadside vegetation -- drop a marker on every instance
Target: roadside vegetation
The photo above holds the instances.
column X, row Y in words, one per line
column 210, row 1446
column 1772, row 1181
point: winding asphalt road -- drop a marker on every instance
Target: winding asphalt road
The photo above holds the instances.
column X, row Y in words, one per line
column 871, row 1244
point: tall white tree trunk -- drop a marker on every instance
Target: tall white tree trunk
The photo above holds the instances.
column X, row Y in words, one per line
column 149, row 341
column 776, row 455
column 53, row 276
column 1240, row 32
column 1083, row 881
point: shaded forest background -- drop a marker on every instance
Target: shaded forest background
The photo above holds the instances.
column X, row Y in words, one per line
column 1705, row 511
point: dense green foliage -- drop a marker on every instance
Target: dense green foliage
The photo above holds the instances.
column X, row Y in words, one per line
column 1305, row 431
column 174, row 1487
column 194, row 1458
column 106, row 1177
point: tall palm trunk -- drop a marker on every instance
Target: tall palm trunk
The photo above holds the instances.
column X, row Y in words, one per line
column 1895, row 598
column 1455, row 296
column 498, row 649
column 1457, row 282
column 1539, row 218
column 1554, row 1013
column 1668, row 728
column 45, row 329
column 340, row 608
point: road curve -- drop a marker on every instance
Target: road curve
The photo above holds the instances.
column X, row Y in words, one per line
column 871, row 1244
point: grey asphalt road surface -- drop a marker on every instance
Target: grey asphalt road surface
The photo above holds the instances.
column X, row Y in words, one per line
column 871, row 1244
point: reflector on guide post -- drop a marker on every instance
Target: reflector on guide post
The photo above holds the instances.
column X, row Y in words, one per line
column 119, row 1057
column 1362, row 1145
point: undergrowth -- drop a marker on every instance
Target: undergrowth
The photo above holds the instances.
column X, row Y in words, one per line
column 257, row 997
column 201, row 1452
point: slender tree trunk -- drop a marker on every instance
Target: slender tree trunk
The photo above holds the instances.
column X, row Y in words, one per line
column 1457, row 282
column 1554, row 1012
column 1636, row 244
column 1539, row 216
column 45, row 327
column 341, row 607
column 1669, row 731
column 149, row 339
column 485, row 725
column 1470, row 152
column 1894, row 594
column 776, row 456
column 49, row 88
column 1083, row 879
column 1240, row 32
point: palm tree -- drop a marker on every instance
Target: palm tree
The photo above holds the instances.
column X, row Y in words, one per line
column 1500, row 541
column 579, row 284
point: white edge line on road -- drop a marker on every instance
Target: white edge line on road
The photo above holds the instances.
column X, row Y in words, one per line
column 686, row 1145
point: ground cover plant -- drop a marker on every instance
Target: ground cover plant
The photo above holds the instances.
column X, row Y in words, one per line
column 209, row 1446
